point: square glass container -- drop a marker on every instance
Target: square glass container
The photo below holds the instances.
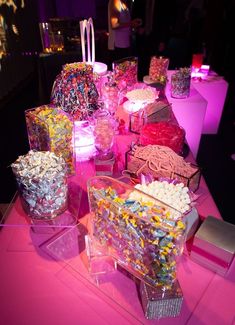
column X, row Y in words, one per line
column 155, row 112
column 144, row 235
column 137, row 166
column 51, row 129
column 125, row 71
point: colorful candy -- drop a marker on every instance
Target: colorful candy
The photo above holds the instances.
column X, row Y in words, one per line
column 143, row 234
column 164, row 134
column 50, row 129
column 126, row 72
column 180, row 83
column 42, row 183
column 74, row 90
column 158, row 69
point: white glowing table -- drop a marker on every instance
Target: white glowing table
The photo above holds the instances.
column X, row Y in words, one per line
column 190, row 113
column 214, row 90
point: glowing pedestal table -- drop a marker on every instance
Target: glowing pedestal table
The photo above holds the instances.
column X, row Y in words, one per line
column 190, row 113
column 214, row 90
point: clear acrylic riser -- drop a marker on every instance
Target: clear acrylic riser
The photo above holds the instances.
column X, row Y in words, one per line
column 107, row 280
column 16, row 216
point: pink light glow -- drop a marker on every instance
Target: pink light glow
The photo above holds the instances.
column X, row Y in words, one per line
column 100, row 68
column 84, row 143
column 131, row 107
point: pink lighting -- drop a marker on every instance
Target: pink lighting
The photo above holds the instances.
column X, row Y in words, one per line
column 100, row 68
column 190, row 113
column 132, row 107
column 83, row 140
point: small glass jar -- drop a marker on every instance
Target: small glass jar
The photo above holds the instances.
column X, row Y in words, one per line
column 110, row 95
column 104, row 131
column 180, row 84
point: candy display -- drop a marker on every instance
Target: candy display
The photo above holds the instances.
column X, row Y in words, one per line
column 154, row 112
column 104, row 131
column 159, row 303
column 74, row 90
column 139, row 97
column 144, row 235
column 176, row 195
column 51, row 129
column 158, row 69
column 42, row 183
column 164, row 134
column 161, row 161
column 110, row 95
column 145, row 95
column 126, row 72
column 180, row 83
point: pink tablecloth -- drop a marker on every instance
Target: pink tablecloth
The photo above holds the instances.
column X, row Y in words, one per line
column 44, row 278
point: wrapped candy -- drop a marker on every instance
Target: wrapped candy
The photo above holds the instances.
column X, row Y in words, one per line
column 126, row 72
column 164, row 134
column 42, row 183
column 142, row 234
column 51, row 129
column 158, row 69
column 180, row 83
column 74, row 90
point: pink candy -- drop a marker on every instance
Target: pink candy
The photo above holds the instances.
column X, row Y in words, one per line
column 164, row 134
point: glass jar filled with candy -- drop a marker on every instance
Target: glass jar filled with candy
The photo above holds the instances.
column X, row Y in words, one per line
column 110, row 95
column 42, row 182
column 104, row 131
column 180, row 83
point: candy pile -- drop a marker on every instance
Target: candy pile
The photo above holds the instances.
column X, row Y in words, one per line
column 41, row 178
column 50, row 129
column 145, row 95
column 142, row 235
column 176, row 195
column 164, row 134
column 74, row 90
column 180, row 83
column 161, row 161
column 125, row 71
column 158, row 69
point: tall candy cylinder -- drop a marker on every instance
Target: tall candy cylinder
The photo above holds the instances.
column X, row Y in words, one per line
column 51, row 129
column 42, row 184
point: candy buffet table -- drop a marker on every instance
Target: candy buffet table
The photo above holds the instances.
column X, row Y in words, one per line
column 44, row 278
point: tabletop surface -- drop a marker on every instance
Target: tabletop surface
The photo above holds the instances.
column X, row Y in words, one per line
column 44, row 277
